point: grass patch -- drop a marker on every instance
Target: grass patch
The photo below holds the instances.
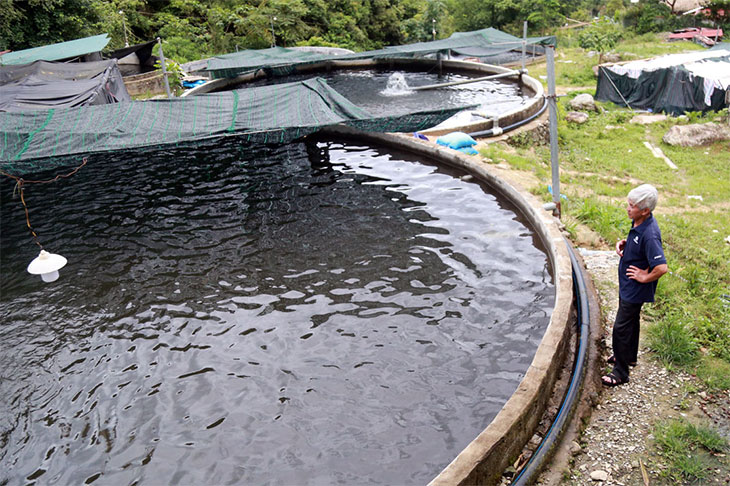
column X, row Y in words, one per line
column 714, row 373
column 601, row 160
column 608, row 220
column 497, row 153
column 671, row 340
column 686, row 448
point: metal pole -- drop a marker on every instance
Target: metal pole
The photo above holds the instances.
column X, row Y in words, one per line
column 124, row 28
column 433, row 28
column 553, row 125
column 524, row 44
column 273, row 35
column 164, row 69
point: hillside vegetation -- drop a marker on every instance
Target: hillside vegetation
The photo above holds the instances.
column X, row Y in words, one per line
column 195, row 29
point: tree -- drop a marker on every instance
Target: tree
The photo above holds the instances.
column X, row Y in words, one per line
column 602, row 36
column 33, row 23
column 719, row 12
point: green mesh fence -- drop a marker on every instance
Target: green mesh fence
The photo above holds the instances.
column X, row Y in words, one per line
column 485, row 42
column 41, row 140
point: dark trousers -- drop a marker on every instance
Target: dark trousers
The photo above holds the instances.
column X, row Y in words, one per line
column 625, row 338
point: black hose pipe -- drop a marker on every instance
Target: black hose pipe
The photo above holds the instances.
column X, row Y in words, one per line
column 534, row 465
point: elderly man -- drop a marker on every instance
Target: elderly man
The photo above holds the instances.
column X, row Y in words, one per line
column 642, row 264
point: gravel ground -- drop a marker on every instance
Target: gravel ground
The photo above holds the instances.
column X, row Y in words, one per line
column 617, row 442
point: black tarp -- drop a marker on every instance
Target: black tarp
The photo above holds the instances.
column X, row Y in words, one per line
column 673, row 89
column 42, row 85
column 144, row 61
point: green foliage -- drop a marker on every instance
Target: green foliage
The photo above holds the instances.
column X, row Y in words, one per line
column 719, row 12
column 198, row 29
column 174, row 73
column 602, row 36
column 33, row 23
column 685, row 447
column 649, row 16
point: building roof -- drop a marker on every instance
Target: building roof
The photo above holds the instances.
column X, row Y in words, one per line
column 56, row 52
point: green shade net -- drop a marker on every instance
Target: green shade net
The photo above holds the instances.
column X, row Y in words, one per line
column 55, row 52
column 42, row 140
column 279, row 60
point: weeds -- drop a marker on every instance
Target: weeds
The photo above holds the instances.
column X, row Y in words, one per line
column 671, row 340
column 686, row 448
column 714, row 373
column 607, row 220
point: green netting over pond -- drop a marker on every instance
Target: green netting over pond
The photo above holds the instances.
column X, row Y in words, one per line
column 40, row 140
column 279, row 60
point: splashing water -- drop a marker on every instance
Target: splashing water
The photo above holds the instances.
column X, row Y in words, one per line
column 396, row 86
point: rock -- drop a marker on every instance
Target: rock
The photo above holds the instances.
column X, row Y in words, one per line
column 575, row 448
column 583, row 102
column 535, row 441
column 599, row 475
column 611, row 57
column 696, row 134
column 647, row 119
column 576, row 117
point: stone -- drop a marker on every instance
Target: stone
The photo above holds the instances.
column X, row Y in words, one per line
column 647, row 119
column 583, row 102
column 576, row 117
column 696, row 134
column 599, row 475
column 535, row 441
column 575, row 448
column 612, row 57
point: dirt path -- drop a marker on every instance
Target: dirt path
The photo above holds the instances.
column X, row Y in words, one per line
column 618, row 439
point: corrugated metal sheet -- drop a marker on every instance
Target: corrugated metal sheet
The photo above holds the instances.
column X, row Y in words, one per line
column 55, row 52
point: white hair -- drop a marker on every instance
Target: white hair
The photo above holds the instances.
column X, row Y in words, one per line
column 644, row 197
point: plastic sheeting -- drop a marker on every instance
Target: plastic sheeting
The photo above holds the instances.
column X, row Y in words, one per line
column 674, row 84
column 42, row 85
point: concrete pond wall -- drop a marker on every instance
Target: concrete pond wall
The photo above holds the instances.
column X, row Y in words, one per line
column 496, row 447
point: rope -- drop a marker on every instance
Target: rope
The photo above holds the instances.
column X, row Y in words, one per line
column 19, row 188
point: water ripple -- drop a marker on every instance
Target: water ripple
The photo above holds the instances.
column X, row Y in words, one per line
column 232, row 314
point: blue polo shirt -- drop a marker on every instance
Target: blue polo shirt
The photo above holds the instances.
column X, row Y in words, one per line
column 644, row 250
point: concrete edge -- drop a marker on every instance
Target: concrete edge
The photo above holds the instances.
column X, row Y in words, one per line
column 495, row 448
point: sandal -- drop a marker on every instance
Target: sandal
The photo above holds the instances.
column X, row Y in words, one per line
column 612, row 380
column 612, row 359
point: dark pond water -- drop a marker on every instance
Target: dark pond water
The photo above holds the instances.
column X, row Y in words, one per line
column 316, row 313
column 369, row 89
